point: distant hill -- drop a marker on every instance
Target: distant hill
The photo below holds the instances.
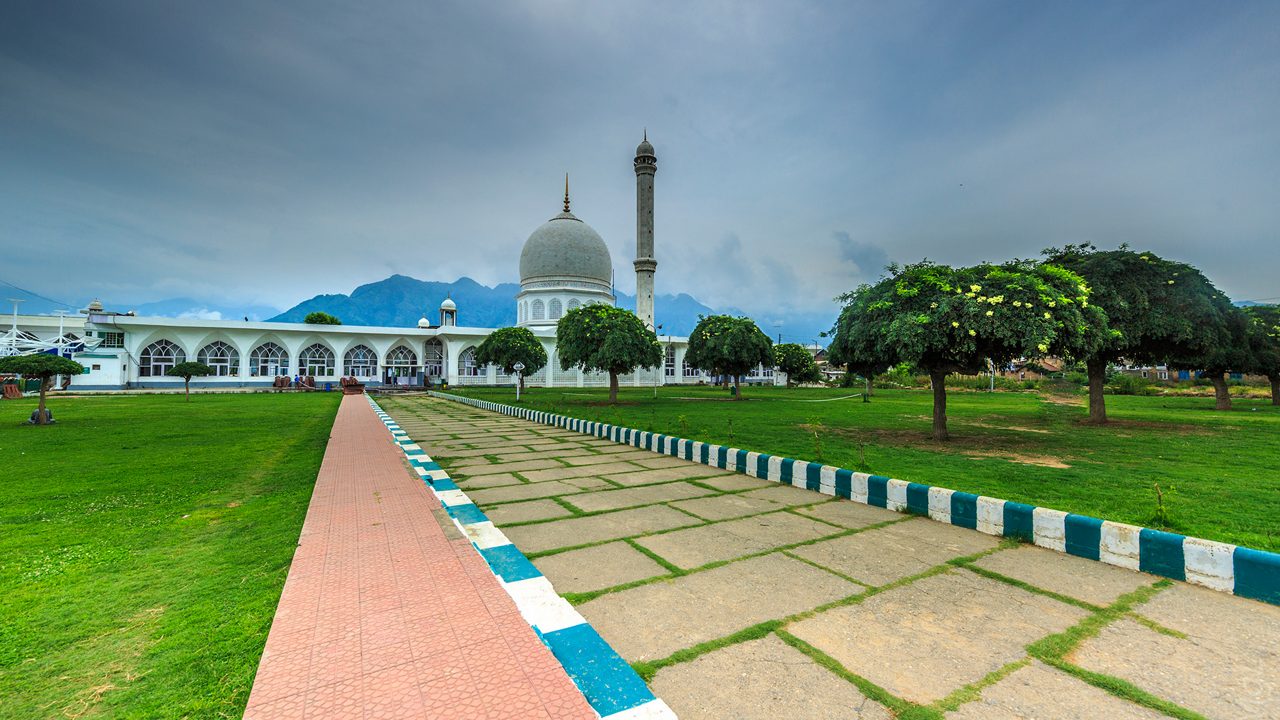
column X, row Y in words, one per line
column 399, row 301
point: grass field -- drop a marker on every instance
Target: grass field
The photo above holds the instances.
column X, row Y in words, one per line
column 1219, row 471
column 144, row 542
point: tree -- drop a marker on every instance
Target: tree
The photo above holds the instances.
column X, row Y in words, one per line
column 728, row 346
column 946, row 320
column 1157, row 310
column 321, row 318
column 603, row 338
column 1264, row 344
column 1229, row 351
column 797, row 362
column 42, row 367
column 188, row 370
column 852, row 347
column 507, row 346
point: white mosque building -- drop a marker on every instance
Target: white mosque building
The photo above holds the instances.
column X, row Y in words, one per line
column 564, row 264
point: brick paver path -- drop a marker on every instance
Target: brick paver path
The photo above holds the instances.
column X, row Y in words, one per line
column 741, row 598
column 389, row 613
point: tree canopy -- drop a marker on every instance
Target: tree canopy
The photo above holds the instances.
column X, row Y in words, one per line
column 603, row 338
column 188, row 370
column 797, row 362
column 946, row 320
column 507, row 346
column 728, row 346
column 1157, row 310
column 321, row 318
column 43, row 367
column 1264, row 344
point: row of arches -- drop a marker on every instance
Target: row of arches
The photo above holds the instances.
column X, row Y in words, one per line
column 271, row 360
column 553, row 310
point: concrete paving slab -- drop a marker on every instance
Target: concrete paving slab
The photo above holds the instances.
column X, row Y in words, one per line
column 764, row 679
column 1043, row 693
column 597, row 567
column 593, row 459
column 724, row 507
column 1075, row 577
column 646, row 477
column 494, row 468
column 587, row 483
column 487, row 481
column 926, row 639
column 655, row 462
column 630, row 497
column 849, row 514
column 528, row 491
column 1232, row 651
column 526, row 511
column 609, row 526
column 731, row 482
column 890, row 553
column 561, row 473
column 652, row 621
column 695, row 547
column 789, row 495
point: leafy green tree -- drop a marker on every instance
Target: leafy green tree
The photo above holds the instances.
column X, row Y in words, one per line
column 1264, row 344
column 43, row 367
column 603, row 338
column 1157, row 310
column 188, row 370
column 729, row 346
column 507, row 346
column 946, row 320
column 1230, row 351
column 851, row 346
column 321, row 318
column 797, row 362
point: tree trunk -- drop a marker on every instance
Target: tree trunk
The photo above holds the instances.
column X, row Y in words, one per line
column 737, row 387
column 521, row 381
column 939, row 381
column 868, row 393
column 1097, row 401
column 1221, row 394
column 186, row 385
column 42, row 416
column 1275, row 389
column 613, row 387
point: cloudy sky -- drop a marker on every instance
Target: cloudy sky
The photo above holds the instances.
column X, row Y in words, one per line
column 252, row 152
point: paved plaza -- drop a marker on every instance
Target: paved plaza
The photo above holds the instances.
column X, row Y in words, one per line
column 388, row 612
column 740, row 598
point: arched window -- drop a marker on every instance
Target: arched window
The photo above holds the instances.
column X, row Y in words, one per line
column 574, row 304
column 539, row 311
column 316, row 360
column 468, row 367
column 360, row 361
column 224, row 359
column 401, row 356
column 556, row 309
column 158, row 357
column 268, row 360
column 435, row 358
column 523, row 311
column 669, row 363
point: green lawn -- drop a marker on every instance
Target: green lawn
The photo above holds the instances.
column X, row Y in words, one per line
column 143, row 545
column 1219, row 471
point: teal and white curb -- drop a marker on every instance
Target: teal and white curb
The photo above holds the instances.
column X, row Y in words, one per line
column 608, row 683
column 1228, row 568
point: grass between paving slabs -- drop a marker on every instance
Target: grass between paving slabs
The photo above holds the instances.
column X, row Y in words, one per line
column 144, row 542
column 1053, row 650
column 1215, row 469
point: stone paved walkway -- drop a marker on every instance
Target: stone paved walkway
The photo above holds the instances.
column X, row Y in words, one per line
column 739, row 598
column 388, row 612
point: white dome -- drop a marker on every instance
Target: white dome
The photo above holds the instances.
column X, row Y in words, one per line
column 566, row 247
column 448, row 304
column 424, row 322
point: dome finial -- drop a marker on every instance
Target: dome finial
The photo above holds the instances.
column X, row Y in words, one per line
column 566, row 192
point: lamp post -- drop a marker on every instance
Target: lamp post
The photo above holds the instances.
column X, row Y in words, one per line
column 519, row 368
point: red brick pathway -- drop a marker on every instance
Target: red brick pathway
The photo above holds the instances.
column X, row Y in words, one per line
column 384, row 615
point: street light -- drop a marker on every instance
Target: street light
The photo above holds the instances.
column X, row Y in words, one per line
column 519, row 368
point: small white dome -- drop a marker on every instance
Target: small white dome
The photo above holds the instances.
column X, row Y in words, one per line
column 424, row 322
column 448, row 304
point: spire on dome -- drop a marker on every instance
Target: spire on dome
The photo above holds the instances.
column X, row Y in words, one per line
column 566, row 192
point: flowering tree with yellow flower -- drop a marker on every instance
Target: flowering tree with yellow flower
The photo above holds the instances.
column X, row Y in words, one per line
column 947, row 320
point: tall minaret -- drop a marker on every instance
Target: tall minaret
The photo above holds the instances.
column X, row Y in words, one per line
column 646, row 166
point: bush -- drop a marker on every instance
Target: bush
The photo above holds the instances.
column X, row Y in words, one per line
column 1123, row 384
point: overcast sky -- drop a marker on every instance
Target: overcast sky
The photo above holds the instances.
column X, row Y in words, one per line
column 265, row 152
